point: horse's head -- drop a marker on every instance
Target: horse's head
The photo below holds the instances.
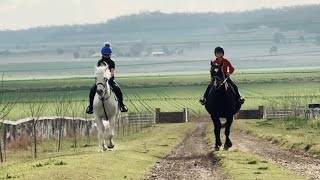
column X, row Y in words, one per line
column 103, row 75
column 217, row 76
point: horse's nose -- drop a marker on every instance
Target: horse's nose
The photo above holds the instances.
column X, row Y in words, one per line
column 99, row 91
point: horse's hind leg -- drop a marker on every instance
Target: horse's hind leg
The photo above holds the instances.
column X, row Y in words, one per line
column 228, row 143
column 217, row 129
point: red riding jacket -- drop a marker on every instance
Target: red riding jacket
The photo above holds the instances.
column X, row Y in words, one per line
column 226, row 68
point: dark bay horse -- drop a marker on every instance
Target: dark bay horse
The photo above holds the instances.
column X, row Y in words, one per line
column 221, row 102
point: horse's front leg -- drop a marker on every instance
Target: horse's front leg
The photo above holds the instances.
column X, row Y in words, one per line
column 217, row 129
column 228, row 143
column 111, row 132
column 101, row 130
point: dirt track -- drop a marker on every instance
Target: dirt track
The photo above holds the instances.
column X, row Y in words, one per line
column 192, row 159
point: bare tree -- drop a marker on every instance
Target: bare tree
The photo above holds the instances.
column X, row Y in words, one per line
column 34, row 111
column 5, row 108
column 74, row 111
column 88, row 122
column 60, row 109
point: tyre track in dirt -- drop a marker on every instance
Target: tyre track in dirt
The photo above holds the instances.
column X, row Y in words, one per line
column 191, row 159
column 300, row 163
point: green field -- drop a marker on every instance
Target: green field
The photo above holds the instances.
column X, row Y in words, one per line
column 170, row 93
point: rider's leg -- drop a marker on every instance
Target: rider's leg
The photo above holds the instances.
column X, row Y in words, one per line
column 206, row 94
column 235, row 87
column 117, row 91
column 93, row 90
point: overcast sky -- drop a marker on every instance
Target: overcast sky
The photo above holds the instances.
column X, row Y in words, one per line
column 20, row 14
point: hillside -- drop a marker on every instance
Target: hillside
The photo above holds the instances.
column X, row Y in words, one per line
column 155, row 42
column 302, row 18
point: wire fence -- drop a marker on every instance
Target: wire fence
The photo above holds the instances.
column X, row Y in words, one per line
column 302, row 112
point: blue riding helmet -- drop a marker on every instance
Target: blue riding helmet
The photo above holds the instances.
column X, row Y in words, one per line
column 106, row 50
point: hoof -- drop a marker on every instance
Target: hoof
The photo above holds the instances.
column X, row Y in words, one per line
column 227, row 145
column 111, row 146
column 217, row 146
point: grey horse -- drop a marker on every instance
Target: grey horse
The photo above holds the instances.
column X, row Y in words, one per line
column 105, row 107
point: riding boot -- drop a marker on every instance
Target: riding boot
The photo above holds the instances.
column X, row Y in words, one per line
column 240, row 99
column 93, row 90
column 117, row 90
column 123, row 107
column 206, row 94
column 235, row 87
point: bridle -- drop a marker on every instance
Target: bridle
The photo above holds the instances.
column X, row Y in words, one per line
column 104, row 90
column 217, row 82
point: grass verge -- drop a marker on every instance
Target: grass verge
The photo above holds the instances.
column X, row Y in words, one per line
column 242, row 165
column 293, row 134
column 132, row 158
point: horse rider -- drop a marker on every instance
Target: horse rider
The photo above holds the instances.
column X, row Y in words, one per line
column 106, row 59
column 227, row 70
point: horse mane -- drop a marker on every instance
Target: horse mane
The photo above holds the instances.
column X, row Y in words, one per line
column 100, row 70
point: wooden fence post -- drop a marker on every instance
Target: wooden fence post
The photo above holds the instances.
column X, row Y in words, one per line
column 157, row 116
column 262, row 112
column 185, row 114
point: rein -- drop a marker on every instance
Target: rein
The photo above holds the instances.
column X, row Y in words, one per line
column 221, row 83
column 104, row 99
column 224, row 77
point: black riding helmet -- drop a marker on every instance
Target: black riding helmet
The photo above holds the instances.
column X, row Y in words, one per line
column 218, row 49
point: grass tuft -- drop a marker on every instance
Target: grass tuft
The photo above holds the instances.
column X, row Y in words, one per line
column 263, row 168
column 252, row 162
column 58, row 163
